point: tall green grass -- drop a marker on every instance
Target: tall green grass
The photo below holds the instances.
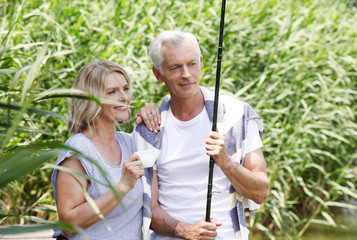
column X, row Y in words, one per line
column 295, row 62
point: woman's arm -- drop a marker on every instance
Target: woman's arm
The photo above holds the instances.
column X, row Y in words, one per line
column 151, row 117
column 71, row 204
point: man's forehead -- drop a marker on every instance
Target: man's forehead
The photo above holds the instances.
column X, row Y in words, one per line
column 177, row 45
column 185, row 51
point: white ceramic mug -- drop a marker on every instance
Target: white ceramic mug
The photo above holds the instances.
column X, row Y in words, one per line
column 148, row 157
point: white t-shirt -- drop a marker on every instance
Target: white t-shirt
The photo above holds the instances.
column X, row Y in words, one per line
column 182, row 169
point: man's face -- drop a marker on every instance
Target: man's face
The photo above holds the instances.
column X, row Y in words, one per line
column 181, row 70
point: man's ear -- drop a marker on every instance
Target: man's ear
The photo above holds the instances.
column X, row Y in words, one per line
column 157, row 75
column 201, row 62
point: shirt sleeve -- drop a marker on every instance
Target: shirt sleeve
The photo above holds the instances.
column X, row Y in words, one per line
column 253, row 139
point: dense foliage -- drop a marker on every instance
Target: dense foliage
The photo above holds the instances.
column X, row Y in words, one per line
column 295, row 62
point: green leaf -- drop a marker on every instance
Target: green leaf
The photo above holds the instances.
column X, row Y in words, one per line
column 329, row 218
column 31, row 228
column 6, row 105
column 3, row 50
column 33, row 72
column 75, row 93
column 24, row 160
column 341, row 205
column 18, row 229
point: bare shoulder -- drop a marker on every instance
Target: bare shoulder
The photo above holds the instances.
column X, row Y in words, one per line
column 73, row 163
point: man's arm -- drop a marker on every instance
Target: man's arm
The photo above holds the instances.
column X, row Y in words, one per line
column 249, row 180
column 164, row 224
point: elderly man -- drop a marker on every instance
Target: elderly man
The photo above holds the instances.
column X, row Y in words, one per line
column 185, row 142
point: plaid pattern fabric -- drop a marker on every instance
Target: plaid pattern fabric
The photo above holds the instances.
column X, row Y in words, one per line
column 146, row 181
column 232, row 119
column 146, row 209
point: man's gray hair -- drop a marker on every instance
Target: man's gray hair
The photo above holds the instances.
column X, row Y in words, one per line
column 170, row 38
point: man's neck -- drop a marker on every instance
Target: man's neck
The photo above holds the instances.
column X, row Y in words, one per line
column 185, row 109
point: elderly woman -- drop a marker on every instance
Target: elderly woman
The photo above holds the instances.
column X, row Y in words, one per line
column 125, row 215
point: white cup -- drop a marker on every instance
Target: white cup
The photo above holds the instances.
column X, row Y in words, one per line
column 148, row 157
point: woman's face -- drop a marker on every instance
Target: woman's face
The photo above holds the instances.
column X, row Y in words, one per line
column 116, row 89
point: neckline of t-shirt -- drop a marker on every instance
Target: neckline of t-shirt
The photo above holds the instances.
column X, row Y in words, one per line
column 100, row 155
column 189, row 122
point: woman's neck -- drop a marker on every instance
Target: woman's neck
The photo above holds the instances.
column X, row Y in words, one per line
column 100, row 133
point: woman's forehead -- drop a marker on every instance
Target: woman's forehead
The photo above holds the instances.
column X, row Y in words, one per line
column 115, row 79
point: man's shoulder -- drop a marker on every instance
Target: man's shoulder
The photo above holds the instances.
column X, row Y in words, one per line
column 165, row 103
column 224, row 96
column 230, row 99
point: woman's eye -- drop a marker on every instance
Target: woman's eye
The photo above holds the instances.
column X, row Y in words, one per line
column 111, row 92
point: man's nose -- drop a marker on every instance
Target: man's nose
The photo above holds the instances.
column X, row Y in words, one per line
column 185, row 71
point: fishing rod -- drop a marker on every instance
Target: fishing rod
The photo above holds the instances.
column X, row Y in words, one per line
column 215, row 110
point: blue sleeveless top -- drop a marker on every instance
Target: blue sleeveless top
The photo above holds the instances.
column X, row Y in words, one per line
column 125, row 220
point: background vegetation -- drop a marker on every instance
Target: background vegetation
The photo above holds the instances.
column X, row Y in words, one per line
column 294, row 61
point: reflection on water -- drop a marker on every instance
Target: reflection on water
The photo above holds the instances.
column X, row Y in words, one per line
column 329, row 233
column 345, row 216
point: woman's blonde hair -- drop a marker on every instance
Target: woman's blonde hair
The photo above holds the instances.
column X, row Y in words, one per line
column 91, row 79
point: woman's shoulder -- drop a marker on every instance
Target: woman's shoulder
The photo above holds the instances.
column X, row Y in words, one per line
column 76, row 140
column 123, row 137
column 81, row 143
column 120, row 134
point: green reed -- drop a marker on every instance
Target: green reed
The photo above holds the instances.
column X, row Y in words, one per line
column 295, row 62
